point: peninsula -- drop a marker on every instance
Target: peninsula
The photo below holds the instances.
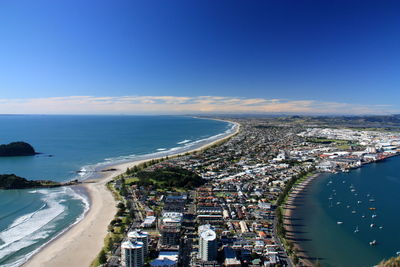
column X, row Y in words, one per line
column 11, row 181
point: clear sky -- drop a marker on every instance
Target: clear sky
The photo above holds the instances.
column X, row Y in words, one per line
column 342, row 55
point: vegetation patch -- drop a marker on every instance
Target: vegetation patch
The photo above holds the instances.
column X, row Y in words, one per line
column 168, row 178
column 11, row 181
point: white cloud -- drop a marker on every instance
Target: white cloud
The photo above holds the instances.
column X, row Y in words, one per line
column 180, row 105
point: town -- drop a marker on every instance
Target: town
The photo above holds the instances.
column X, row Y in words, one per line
column 223, row 206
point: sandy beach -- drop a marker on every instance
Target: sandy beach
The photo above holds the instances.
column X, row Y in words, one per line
column 80, row 244
column 294, row 200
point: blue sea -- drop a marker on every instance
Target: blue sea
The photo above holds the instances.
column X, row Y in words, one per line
column 348, row 198
column 77, row 147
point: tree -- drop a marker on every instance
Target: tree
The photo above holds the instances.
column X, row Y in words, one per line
column 120, row 213
column 121, row 206
column 129, row 204
column 123, row 190
column 296, row 259
column 110, row 244
column 132, row 213
column 102, row 257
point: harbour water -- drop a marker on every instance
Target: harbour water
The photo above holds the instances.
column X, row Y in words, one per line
column 342, row 213
column 77, row 147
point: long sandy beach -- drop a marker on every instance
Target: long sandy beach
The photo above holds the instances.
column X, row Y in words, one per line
column 80, row 244
column 291, row 204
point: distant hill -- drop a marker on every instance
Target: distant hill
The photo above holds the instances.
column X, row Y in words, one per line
column 17, row 149
column 379, row 122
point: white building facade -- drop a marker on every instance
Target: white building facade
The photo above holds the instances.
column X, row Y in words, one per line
column 132, row 254
column 208, row 245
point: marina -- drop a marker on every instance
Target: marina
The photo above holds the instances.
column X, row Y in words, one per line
column 363, row 217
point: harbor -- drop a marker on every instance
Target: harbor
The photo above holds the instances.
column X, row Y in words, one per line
column 354, row 208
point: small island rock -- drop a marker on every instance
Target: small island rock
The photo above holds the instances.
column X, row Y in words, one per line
column 17, row 149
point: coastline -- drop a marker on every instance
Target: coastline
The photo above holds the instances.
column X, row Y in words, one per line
column 81, row 243
column 290, row 221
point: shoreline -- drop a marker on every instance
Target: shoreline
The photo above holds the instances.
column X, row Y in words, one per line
column 290, row 221
column 80, row 244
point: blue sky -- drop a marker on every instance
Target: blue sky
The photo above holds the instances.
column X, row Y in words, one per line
column 324, row 52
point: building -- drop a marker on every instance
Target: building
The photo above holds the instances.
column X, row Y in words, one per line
column 170, row 229
column 132, row 254
column 163, row 263
column 166, row 259
column 230, row 258
column 175, row 203
column 214, row 219
column 140, row 236
column 243, row 227
column 149, row 222
column 205, row 227
column 170, row 236
column 208, row 245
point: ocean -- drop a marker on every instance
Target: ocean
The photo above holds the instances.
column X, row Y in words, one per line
column 77, row 147
column 366, row 202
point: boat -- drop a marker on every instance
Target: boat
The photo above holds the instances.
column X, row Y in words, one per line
column 363, row 216
column 381, row 227
column 339, row 222
column 356, row 230
column 353, row 211
column 372, row 200
column 373, row 243
column 359, row 202
column 372, row 208
column 348, row 206
column 353, row 190
column 372, row 225
column 373, row 216
column 338, row 203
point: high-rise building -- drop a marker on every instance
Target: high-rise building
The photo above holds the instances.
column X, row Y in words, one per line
column 204, row 227
column 132, row 254
column 170, row 229
column 140, row 236
column 208, row 245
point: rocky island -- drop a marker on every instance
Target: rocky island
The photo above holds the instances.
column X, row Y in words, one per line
column 17, row 149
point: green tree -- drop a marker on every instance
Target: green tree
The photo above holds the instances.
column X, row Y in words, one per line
column 102, row 257
column 110, row 244
column 123, row 191
column 296, row 259
column 121, row 206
